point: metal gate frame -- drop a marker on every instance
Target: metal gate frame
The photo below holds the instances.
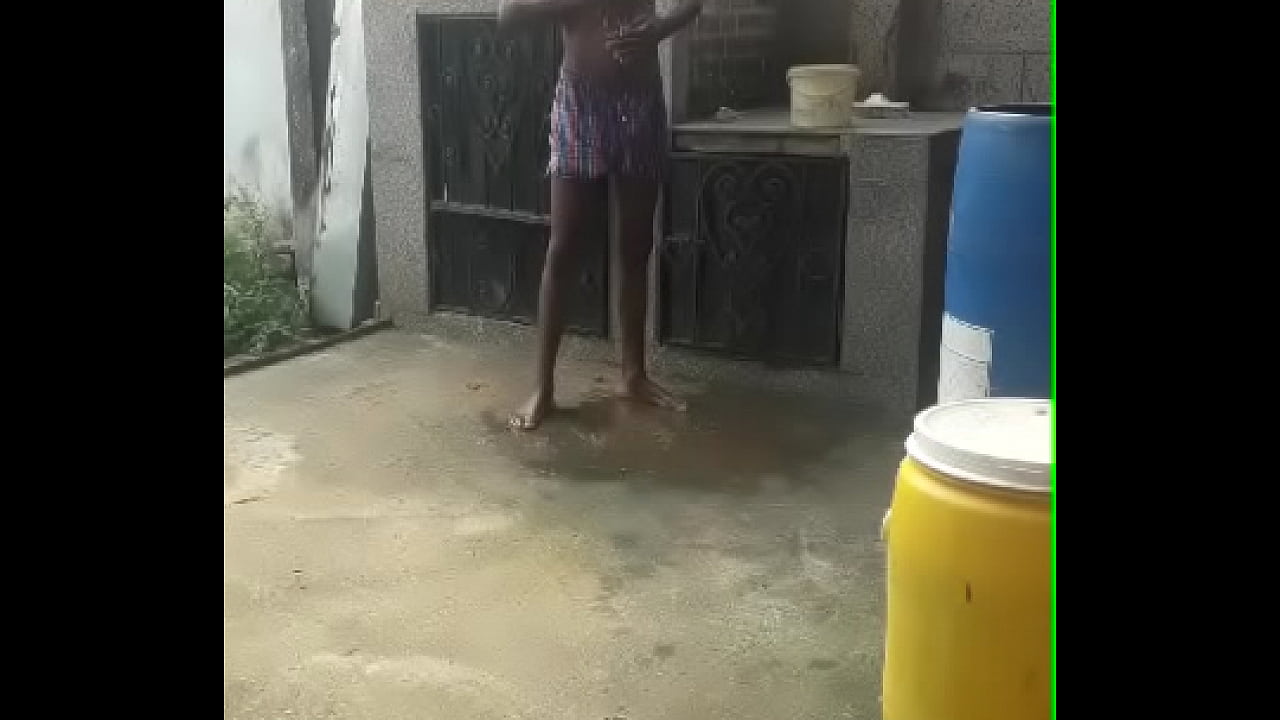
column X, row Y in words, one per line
column 484, row 130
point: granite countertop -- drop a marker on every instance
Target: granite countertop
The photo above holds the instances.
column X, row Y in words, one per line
column 775, row 121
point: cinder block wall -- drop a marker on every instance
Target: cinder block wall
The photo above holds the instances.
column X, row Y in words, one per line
column 953, row 54
column 739, row 50
column 939, row 54
column 733, row 57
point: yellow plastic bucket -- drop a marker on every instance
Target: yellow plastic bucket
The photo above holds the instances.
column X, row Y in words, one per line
column 822, row 95
column 967, row 633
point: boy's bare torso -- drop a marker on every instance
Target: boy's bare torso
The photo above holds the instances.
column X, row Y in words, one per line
column 586, row 32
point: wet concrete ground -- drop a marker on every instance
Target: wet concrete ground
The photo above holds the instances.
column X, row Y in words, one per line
column 391, row 550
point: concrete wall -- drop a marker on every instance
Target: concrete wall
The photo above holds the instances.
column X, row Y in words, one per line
column 336, row 259
column 270, row 117
column 255, row 131
column 953, row 54
column 304, row 113
column 395, row 131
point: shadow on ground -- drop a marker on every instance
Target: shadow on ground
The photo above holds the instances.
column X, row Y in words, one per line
column 731, row 440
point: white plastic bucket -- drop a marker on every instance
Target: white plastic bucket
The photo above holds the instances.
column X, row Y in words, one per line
column 822, row 95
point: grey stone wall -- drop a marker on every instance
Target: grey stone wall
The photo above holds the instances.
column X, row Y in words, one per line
column 304, row 163
column 395, row 136
column 899, row 200
column 953, row 54
column 871, row 23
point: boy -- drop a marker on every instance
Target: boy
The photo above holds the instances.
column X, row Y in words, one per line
column 608, row 122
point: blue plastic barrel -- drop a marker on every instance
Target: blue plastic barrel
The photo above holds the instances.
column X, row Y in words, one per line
column 995, row 336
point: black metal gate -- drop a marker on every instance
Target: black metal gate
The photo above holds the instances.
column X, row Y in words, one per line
column 752, row 256
column 485, row 103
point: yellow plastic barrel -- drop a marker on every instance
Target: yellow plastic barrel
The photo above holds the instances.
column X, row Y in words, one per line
column 967, row 633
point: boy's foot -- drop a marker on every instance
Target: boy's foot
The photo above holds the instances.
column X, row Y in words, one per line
column 532, row 413
column 647, row 391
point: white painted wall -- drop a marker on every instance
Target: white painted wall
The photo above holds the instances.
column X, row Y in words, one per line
column 255, row 130
column 334, row 261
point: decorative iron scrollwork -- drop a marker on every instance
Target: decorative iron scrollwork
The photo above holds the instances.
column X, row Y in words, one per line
column 493, row 93
column 751, row 257
column 487, row 122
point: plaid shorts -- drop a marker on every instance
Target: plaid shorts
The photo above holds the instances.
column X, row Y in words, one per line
column 600, row 129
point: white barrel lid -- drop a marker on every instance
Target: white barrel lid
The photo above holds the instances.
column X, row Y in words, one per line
column 1001, row 442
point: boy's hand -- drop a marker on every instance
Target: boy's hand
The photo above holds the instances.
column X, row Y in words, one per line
column 636, row 40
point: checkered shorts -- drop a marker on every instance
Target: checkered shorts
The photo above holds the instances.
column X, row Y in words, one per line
column 600, row 129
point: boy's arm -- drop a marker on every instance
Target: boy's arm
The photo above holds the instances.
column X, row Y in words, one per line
column 679, row 19
column 517, row 13
column 645, row 36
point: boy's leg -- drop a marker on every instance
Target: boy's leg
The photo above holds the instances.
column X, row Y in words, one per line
column 637, row 199
column 571, row 210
